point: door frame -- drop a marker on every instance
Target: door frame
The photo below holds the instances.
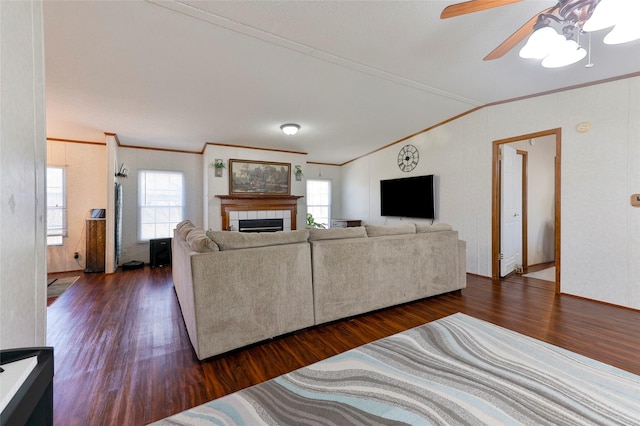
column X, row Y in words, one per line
column 525, row 205
column 495, row 199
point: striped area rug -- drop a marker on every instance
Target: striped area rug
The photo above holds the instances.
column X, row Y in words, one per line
column 455, row 371
column 58, row 286
column 548, row 274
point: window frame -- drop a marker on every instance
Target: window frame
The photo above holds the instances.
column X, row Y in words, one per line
column 143, row 197
column 56, row 236
column 329, row 182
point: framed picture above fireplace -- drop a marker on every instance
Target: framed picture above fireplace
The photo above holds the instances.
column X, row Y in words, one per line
column 259, row 177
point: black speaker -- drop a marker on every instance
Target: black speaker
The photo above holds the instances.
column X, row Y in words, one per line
column 159, row 252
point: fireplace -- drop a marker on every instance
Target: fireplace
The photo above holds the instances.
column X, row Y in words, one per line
column 240, row 207
column 261, row 225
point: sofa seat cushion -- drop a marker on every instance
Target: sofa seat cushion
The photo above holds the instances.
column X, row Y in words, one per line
column 422, row 228
column 199, row 242
column 227, row 240
column 380, row 231
column 317, row 234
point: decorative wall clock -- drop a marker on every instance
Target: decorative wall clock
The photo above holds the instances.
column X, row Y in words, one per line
column 408, row 158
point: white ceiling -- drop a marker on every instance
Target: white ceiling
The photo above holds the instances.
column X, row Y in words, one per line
column 356, row 75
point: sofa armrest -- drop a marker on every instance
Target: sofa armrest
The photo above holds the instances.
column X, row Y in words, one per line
column 462, row 262
column 246, row 296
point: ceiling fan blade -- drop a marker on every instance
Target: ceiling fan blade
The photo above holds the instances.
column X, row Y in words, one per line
column 472, row 6
column 515, row 38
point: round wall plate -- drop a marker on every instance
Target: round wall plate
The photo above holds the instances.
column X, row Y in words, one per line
column 583, row 127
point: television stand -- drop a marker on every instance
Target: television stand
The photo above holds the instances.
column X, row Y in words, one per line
column 345, row 223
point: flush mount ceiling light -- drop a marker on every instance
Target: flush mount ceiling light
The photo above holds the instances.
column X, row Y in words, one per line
column 290, row 129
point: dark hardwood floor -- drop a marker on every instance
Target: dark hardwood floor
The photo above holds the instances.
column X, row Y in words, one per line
column 122, row 354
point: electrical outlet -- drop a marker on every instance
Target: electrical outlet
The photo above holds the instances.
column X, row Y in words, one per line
column 76, row 255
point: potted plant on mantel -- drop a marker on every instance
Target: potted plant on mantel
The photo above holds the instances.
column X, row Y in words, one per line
column 218, row 165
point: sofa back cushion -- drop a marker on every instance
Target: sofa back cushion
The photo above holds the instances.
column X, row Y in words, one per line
column 199, row 242
column 380, row 231
column 227, row 240
column 316, row 234
column 425, row 227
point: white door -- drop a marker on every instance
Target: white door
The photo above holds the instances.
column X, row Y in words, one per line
column 510, row 210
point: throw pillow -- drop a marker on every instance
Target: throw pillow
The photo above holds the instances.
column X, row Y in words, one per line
column 183, row 223
column 380, row 231
column 199, row 242
column 316, row 234
column 227, row 240
column 184, row 228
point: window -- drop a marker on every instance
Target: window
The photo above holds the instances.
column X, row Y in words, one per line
column 319, row 200
column 56, row 206
column 161, row 203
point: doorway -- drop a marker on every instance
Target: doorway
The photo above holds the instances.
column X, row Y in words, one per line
column 554, row 135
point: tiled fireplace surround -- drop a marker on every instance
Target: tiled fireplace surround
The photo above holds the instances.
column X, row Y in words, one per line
column 249, row 206
column 236, row 216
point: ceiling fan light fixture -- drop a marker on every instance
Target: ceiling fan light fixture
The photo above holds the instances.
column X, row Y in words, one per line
column 605, row 15
column 622, row 33
column 618, row 14
column 542, row 42
column 290, row 129
column 569, row 53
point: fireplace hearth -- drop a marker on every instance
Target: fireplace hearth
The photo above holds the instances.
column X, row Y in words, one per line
column 261, row 225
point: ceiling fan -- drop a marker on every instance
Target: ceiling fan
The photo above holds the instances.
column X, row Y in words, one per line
column 573, row 13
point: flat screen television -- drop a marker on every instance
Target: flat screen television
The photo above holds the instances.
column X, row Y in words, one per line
column 411, row 197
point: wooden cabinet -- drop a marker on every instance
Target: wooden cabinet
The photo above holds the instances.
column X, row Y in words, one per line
column 345, row 223
column 96, row 240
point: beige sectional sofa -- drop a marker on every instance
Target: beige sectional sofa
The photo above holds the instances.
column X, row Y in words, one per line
column 236, row 289
column 241, row 292
column 381, row 267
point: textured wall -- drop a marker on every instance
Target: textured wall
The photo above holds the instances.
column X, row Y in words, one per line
column 22, row 159
column 145, row 159
column 220, row 185
column 86, row 174
column 600, row 230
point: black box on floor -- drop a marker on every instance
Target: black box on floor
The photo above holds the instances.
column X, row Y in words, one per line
column 160, row 252
column 134, row 264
